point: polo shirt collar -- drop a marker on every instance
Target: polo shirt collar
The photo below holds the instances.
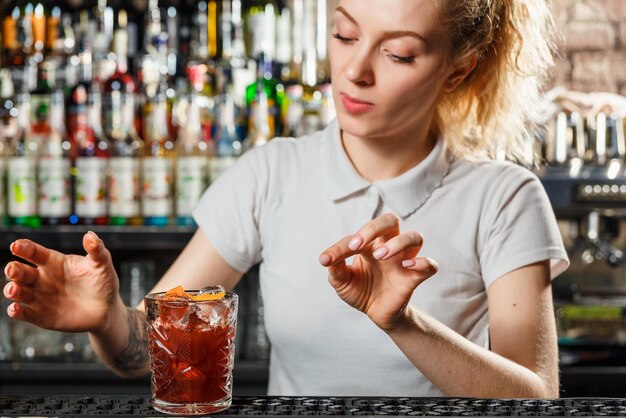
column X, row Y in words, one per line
column 403, row 194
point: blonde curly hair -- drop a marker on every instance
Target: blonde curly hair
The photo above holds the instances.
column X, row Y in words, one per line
column 494, row 111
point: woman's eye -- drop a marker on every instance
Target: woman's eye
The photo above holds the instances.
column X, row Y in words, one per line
column 401, row 60
column 342, row 39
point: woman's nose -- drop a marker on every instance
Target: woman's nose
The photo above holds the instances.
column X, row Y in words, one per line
column 359, row 69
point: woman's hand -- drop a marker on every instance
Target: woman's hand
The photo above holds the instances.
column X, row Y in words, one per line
column 384, row 272
column 64, row 292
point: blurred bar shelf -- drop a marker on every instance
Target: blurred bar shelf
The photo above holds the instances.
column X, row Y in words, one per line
column 69, row 237
column 604, row 381
column 37, row 377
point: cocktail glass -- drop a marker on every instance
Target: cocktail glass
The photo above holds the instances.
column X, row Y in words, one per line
column 191, row 352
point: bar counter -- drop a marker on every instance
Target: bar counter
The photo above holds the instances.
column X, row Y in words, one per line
column 79, row 406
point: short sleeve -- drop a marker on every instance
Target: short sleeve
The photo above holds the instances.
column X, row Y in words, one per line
column 519, row 226
column 228, row 212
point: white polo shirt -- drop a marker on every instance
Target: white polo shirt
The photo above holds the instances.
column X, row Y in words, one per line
column 284, row 203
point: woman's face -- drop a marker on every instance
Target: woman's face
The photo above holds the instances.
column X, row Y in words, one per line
column 389, row 65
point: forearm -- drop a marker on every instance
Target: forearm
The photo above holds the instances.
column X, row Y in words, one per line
column 459, row 367
column 122, row 343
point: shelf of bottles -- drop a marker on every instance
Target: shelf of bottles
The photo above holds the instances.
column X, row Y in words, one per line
column 123, row 117
column 115, row 116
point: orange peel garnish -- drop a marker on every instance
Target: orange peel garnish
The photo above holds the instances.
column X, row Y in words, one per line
column 179, row 291
column 209, row 296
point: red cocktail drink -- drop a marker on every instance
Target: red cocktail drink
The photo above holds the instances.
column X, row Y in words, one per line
column 191, row 350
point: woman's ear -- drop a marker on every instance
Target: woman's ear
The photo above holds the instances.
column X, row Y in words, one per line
column 461, row 71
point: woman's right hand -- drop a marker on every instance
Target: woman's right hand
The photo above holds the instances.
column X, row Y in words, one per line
column 64, row 292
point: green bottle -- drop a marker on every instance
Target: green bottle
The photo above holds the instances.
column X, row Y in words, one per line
column 273, row 93
column 22, row 171
column 8, row 130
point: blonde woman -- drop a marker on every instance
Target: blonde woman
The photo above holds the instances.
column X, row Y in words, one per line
column 346, row 223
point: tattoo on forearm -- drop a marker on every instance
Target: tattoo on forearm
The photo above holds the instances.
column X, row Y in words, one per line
column 135, row 354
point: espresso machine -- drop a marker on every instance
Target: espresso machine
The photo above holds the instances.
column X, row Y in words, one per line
column 584, row 174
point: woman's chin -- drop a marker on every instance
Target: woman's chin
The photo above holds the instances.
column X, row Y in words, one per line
column 359, row 126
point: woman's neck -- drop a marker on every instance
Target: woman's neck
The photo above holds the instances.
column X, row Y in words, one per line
column 381, row 158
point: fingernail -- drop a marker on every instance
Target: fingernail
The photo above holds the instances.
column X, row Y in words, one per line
column 7, row 270
column 12, row 247
column 433, row 265
column 325, row 259
column 355, row 243
column 380, row 253
column 408, row 263
column 98, row 240
column 9, row 289
column 12, row 307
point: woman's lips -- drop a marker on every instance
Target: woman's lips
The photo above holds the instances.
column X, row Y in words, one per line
column 355, row 106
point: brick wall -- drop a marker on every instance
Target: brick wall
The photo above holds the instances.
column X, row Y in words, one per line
column 593, row 48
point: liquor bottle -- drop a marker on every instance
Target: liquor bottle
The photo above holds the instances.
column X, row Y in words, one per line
column 293, row 73
column 152, row 61
column 101, row 34
column 214, row 11
column 199, row 53
column 242, row 68
column 265, row 83
column 92, row 150
column 328, row 112
column 226, row 30
column 293, row 112
column 10, row 44
column 171, row 97
column 224, row 62
column 228, row 146
column 4, row 152
column 284, row 50
column 203, row 94
column 25, row 24
column 21, row 59
column 153, row 22
column 157, row 199
column 54, row 168
column 118, row 109
column 177, row 103
column 8, row 131
column 69, row 60
column 38, row 21
column 265, row 78
column 321, row 40
column 261, row 123
column 172, row 25
column 150, row 73
column 260, row 24
column 55, row 44
column 40, row 98
column 191, row 166
column 54, row 29
column 311, row 97
column 22, row 170
column 199, row 45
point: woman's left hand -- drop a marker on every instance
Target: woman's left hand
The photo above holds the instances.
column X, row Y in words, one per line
column 384, row 272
